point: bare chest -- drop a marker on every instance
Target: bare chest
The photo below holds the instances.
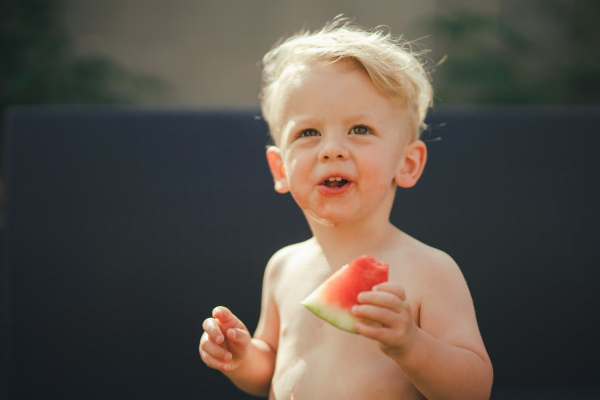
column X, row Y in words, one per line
column 317, row 360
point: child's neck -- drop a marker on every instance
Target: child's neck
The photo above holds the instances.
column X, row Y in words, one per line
column 343, row 243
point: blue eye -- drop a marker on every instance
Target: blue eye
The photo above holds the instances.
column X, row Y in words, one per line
column 360, row 130
column 309, row 133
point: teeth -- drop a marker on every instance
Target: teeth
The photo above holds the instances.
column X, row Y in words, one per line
column 336, row 178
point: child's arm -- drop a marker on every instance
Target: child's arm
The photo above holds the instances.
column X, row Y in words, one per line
column 445, row 357
column 227, row 346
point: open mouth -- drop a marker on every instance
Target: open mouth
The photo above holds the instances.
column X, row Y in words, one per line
column 334, row 182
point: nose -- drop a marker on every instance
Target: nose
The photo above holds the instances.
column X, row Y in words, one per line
column 333, row 147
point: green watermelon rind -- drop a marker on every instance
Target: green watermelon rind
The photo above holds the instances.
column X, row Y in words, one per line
column 337, row 310
column 336, row 316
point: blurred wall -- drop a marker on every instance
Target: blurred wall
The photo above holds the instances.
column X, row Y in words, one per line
column 208, row 51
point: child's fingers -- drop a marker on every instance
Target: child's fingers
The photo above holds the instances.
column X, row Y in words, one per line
column 214, row 362
column 391, row 287
column 213, row 350
column 212, row 329
column 385, row 336
column 381, row 315
column 388, row 300
column 239, row 337
column 223, row 314
column 370, row 331
column 226, row 319
column 396, row 340
column 238, row 340
column 388, row 327
column 214, row 355
column 385, row 304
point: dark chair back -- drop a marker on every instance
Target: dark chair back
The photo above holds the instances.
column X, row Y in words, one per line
column 124, row 227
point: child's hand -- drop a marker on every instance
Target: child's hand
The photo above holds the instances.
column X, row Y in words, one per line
column 388, row 318
column 225, row 341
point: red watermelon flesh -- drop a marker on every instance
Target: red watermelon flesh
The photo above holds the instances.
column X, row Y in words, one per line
column 334, row 298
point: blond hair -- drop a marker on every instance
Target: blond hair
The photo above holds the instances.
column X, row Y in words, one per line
column 390, row 62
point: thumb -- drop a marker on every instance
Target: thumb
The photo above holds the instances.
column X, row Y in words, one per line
column 237, row 337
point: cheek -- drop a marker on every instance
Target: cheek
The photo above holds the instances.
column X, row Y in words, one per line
column 297, row 177
column 380, row 175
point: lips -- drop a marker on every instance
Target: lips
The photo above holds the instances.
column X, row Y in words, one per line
column 334, row 182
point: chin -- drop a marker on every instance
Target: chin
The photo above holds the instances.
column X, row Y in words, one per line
column 332, row 221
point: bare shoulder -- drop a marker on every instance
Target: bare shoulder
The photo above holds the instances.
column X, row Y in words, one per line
column 446, row 306
column 286, row 258
column 433, row 265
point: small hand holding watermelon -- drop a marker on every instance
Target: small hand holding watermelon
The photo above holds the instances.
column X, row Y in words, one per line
column 333, row 299
column 388, row 306
column 225, row 341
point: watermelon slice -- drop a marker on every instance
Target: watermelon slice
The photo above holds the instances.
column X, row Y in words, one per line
column 334, row 298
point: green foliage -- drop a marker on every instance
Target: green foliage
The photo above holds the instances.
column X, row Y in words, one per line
column 491, row 61
column 38, row 65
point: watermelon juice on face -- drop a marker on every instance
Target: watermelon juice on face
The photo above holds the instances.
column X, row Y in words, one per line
column 339, row 154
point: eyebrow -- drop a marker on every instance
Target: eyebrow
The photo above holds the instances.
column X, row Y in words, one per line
column 358, row 117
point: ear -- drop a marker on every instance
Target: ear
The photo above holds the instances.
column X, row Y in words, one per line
column 277, row 169
column 415, row 156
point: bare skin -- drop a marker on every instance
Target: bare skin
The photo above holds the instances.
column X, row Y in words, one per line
column 428, row 344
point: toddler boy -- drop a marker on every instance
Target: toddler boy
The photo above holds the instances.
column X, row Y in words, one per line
column 345, row 108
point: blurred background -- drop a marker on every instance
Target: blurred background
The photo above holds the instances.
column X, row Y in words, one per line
column 207, row 53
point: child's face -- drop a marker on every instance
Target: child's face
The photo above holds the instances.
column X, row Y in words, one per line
column 340, row 144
